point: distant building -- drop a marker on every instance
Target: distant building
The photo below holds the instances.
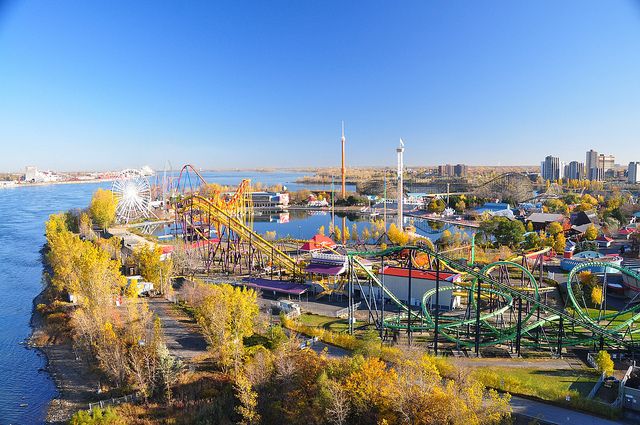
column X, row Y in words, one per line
column 606, row 162
column 448, row 170
column 633, row 172
column 460, row 170
column 30, row 173
column 552, row 168
column 591, row 166
column 574, row 170
column 270, row 200
column 396, row 282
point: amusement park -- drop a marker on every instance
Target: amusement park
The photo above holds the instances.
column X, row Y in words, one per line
column 547, row 278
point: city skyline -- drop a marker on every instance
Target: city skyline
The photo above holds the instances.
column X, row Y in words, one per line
column 496, row 86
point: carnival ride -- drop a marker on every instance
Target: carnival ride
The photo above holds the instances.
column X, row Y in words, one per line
column 219, row 225
column 505, row 304
column 133, row 195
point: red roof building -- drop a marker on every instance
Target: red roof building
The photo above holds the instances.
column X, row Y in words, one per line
column 318, row 242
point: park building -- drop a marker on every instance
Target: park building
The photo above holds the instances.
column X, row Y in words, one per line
column 633, row 173
column 396, row 281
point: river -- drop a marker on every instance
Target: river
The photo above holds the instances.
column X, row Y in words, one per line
column 26, row 386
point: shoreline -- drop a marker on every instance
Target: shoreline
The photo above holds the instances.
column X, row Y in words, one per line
column 71, row 377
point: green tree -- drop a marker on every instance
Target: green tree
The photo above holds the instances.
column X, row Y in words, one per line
column 102, row 208
column 503, row 231
column 436, row 205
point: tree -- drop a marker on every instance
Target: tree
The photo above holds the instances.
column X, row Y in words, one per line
column 102, row 208
column 560, row 242
column 337, row 403
column 397, row 236
column 604, row 364
column 227, row 315
column 554, row 228
column 153, row 268
column 248, row 398
column 529, row 226
column 503, row 231
column 436, row 205
column 591, row 233
column 596, row 296
column 532, row 240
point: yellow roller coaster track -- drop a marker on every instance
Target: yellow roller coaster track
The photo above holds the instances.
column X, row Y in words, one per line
column 223, row 218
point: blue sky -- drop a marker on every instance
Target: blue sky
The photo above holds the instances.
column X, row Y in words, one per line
column 109, row 84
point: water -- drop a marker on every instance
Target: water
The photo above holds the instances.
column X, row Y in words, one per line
column 23, row 212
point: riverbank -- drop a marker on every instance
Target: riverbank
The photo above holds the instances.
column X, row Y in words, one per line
column 76, row 384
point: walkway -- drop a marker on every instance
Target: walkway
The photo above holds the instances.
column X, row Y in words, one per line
column 555, row 414
column 180, row 331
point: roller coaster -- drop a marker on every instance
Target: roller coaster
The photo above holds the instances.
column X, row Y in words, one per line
column 219, row 225
column 507, row 303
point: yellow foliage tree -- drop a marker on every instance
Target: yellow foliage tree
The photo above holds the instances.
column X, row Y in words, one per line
column 102, row 208
column 591, row 233
column 604, row 363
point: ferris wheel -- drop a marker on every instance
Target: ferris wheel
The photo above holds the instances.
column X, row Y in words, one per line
column 133, row 194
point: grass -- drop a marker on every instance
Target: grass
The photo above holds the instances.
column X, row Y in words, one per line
column 333, row 324
column 550, row 385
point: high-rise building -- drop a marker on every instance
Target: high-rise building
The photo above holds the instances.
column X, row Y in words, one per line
column 606, row 162
column 574, row 170
column 633, row 172
column 591, row 165
column 552, row 168
column 460, row 170
column 448, row 170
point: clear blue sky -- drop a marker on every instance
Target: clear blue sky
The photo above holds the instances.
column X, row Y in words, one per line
column 108, row 84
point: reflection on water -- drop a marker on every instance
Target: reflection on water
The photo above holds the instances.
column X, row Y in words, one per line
column 303, row 224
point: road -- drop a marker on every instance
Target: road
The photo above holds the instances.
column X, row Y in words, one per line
column 180, row 332
column 555, row 414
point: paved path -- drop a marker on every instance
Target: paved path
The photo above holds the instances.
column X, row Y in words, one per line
column 555, row 414
column 180, row 332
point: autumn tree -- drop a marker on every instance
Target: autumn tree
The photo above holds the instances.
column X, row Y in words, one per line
column 227, row 315
column 436, row 205
column 102, row 208
column 591, row 233
column 397, row 236
column 153, row 267
column 604, row 364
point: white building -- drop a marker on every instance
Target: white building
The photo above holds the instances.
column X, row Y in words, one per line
column 633, row 172
column 32, row 175
column 396, row 281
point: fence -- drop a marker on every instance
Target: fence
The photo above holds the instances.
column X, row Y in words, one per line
column 131, row 398
column 344, row 312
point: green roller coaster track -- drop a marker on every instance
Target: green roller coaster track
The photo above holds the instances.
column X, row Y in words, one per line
column 541, row 326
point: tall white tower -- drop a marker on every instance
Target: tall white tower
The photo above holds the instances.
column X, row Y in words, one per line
column 400, row 152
